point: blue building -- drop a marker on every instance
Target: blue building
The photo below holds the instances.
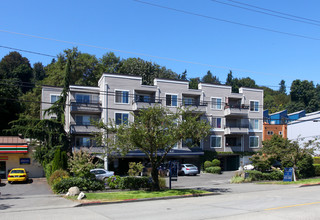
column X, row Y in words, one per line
column 282, row 117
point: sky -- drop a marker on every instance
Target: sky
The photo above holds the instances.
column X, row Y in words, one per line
column 196, row 36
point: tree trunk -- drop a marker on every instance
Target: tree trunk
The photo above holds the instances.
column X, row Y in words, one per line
column 155, row 179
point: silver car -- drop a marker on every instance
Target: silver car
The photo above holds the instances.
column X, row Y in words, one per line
column 102, row 174
column 188, row 169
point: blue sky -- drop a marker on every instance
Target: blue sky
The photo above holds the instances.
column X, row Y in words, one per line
column 164, row 36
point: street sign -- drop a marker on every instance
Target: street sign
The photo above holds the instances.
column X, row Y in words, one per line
column 287, row 175
column 173, row 171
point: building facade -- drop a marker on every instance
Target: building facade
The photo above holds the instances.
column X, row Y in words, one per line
column 235, row 118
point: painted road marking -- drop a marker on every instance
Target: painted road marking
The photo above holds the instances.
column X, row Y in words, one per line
column 290, row 206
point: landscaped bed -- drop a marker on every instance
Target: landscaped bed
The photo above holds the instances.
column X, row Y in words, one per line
column 299, row 182
column 141, row 194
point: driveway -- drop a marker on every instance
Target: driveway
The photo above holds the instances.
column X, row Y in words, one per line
column 30, row 196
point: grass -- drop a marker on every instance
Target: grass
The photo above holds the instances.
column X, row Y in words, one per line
column 132, row 195
column 299, row 182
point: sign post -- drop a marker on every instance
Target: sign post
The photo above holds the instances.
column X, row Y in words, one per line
column 287, row 175
column 173, row 172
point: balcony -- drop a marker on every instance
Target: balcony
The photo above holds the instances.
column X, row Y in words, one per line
column 240, row 130
column 83, row 129
column 236, row 110
column 195, row 106
column 139, row 103
column 78, row 107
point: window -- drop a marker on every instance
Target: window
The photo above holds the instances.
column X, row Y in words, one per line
column 216, row 103
column 215, row 141
column 87, row 98
column 280, row 133
column 253, row 141
column 54, row 98
column 254, row 106
column 85, row 119
column 216, row 122
column 254, row 124
column 171, row 100
column 189, row 101
column 84, row 142
column 122, row 96
column 122, row 118
column 270, row 132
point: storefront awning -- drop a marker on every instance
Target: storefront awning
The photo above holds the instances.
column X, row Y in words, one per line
column 13, row 149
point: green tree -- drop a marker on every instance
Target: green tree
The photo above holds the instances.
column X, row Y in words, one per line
column 155, row 131
column 38, row 72
column 193, row 83
column 282, row 88
column 209, row 78
column 80, row 164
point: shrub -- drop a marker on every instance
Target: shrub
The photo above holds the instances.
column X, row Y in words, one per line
column 213, row 170
column 216, row 163
column 135, row 168
column 81, row 163
column 83, row 184
column 57, row 176
column 207, row 164
column 255, row 175
column 132, row 182
column 316, row 160
column 258, row 175
column 261, row 162
column 114, row 181
column 59, row 161
column 317, row 169
column 305, row 167
column 162, row 183
column 48, row 170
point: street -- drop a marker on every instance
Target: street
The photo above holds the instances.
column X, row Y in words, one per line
column 231, row 201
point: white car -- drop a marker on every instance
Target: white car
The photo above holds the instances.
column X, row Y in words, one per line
column 188, row 169
column 102, row 174
column 248, row 167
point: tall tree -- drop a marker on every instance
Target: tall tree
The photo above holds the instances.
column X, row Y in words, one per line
column 38, row 72
column 155, row 131
column 282, row 88
column 194, row 82
column 209, row 78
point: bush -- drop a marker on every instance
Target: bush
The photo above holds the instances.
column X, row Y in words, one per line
column 135, row 168
column 60, row 160
column 162, row 183
column 114, row 181
column 131, row 182
column 258, row 175
column 48, row 170
column 305, row 167
column 317, row 169
column 81, row 163
column 83, row 184
column 213, row 170
column 57, row 176
column 316, row 160
column 207, row 164
column 216, row 163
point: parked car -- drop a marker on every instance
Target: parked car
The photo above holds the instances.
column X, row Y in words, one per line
column 188, row 169
column 18, row 175
column 102, row 174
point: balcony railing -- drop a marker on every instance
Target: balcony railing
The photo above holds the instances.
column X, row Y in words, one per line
column 85, row 106
column 241, row 129
column 139, row 103
column 236, row 110
column 83, row 128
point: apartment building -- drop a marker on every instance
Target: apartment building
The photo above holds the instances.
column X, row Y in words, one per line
column 236, row 118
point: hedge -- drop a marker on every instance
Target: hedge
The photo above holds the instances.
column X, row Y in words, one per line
column 317, row 169
column 215, row 169
column 83, row 184
column 316, row 160
column 258, row 176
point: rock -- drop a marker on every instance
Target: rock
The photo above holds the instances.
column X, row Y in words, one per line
column 81, row 196
column 68, row 194
column 73, row 191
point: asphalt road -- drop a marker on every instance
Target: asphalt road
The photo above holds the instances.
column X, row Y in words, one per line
column 231, row 201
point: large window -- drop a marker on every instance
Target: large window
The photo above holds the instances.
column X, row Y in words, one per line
column 216, row 123
column 87, row 98
column 121, row 118
column 171, row 100
column 254, row 124
column 254, row 106
column 84, row 142
column 122, row 96
column 253, row 141
column 54, row 98
column 85, row 119
column 216, row 103
column 215, row 141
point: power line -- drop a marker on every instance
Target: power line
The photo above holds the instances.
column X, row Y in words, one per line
column 265, row 9
column 266, row 13
column 28, row 51
column 227, row 21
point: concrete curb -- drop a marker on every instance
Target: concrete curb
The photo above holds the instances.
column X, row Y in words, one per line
column 142, row 200
column 311, row 184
